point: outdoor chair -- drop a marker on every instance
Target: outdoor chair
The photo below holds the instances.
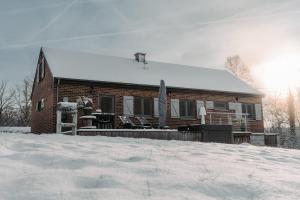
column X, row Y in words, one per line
column 127, row 123
column 144, row 122
column 104, row 122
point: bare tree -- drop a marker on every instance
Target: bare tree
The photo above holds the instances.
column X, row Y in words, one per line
column 280, row 116
column 276, row 115
column 291, row 113
column 23, row 101
column 239, row 69
column 6, row 102
column 297, row 105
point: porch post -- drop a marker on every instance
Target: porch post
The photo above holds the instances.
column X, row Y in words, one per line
column 246, row 128
column 58, row 121
column 74, row 128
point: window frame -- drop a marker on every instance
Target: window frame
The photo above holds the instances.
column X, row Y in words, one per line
column 225, row 104
column 142, row 106
column 40, row 105
column 245, row 107
column 186, row 109
column 107, row 96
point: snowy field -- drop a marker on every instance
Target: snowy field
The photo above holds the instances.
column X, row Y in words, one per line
column 43, row 167
column 8, row 129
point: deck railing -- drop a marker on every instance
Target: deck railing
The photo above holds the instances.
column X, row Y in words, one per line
column 239, row 121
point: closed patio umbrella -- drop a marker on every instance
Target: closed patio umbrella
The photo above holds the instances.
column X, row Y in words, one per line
column 162, row 104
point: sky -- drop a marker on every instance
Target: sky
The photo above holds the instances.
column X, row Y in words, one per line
column 193, row 32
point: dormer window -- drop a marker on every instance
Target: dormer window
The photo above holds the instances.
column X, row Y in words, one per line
column 140, row 57
column 41, row 70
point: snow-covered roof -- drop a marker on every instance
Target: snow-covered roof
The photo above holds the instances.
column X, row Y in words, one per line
column 95, row 67
column 67, row 106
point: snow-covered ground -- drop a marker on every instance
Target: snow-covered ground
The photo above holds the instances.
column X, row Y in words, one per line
column 35, row 167
column 8, row 129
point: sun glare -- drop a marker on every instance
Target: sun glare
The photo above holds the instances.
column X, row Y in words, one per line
column 281, row 73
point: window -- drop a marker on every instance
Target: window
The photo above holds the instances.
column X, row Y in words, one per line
column 41, row 69
column 107, row 104
column 249, row 109
column 143, row 106
column 186, row 108
column 40, row 105
column 220, row 106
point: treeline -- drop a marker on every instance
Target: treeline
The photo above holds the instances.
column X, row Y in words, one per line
column 15, row 103
column 281, row 112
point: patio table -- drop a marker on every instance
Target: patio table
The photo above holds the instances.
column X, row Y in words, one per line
column 104, row 120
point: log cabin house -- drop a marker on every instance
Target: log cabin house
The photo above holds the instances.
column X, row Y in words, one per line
column 129, row 86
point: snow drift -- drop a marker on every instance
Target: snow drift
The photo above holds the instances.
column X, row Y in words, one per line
column 35, row 167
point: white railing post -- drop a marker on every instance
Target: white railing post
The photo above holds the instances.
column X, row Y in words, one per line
column 74, row 120
column 246, row 125
column 58, row 121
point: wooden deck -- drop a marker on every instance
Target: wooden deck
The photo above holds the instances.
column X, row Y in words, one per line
column 210, row 133
column 168, row 134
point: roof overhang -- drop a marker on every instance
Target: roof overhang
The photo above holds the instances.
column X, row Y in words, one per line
column 157, row 86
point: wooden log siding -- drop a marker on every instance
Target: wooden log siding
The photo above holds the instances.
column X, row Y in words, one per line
column 72, row 89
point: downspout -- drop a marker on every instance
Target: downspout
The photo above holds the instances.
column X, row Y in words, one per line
column 57, row 113
column 57, row 90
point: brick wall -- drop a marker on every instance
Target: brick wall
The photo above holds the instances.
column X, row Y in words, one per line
column 73, row 89
column 43, row 121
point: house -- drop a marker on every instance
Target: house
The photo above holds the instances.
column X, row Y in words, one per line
column 129, row 86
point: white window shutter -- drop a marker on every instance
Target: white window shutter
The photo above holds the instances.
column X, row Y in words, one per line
column 231, row 105
column 175, row 108
column 156, row 113
column 199, row 105
column 238, row 110
column 209, row 105
column 237, row 107
column 128, row 105
column 258, row 112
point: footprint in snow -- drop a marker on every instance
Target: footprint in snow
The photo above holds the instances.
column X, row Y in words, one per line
column 132, row 159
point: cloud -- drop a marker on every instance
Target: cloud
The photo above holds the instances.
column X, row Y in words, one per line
column 53, row 20
column 196, row 32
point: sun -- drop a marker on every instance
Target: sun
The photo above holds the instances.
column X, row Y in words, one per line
column 281, row 74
